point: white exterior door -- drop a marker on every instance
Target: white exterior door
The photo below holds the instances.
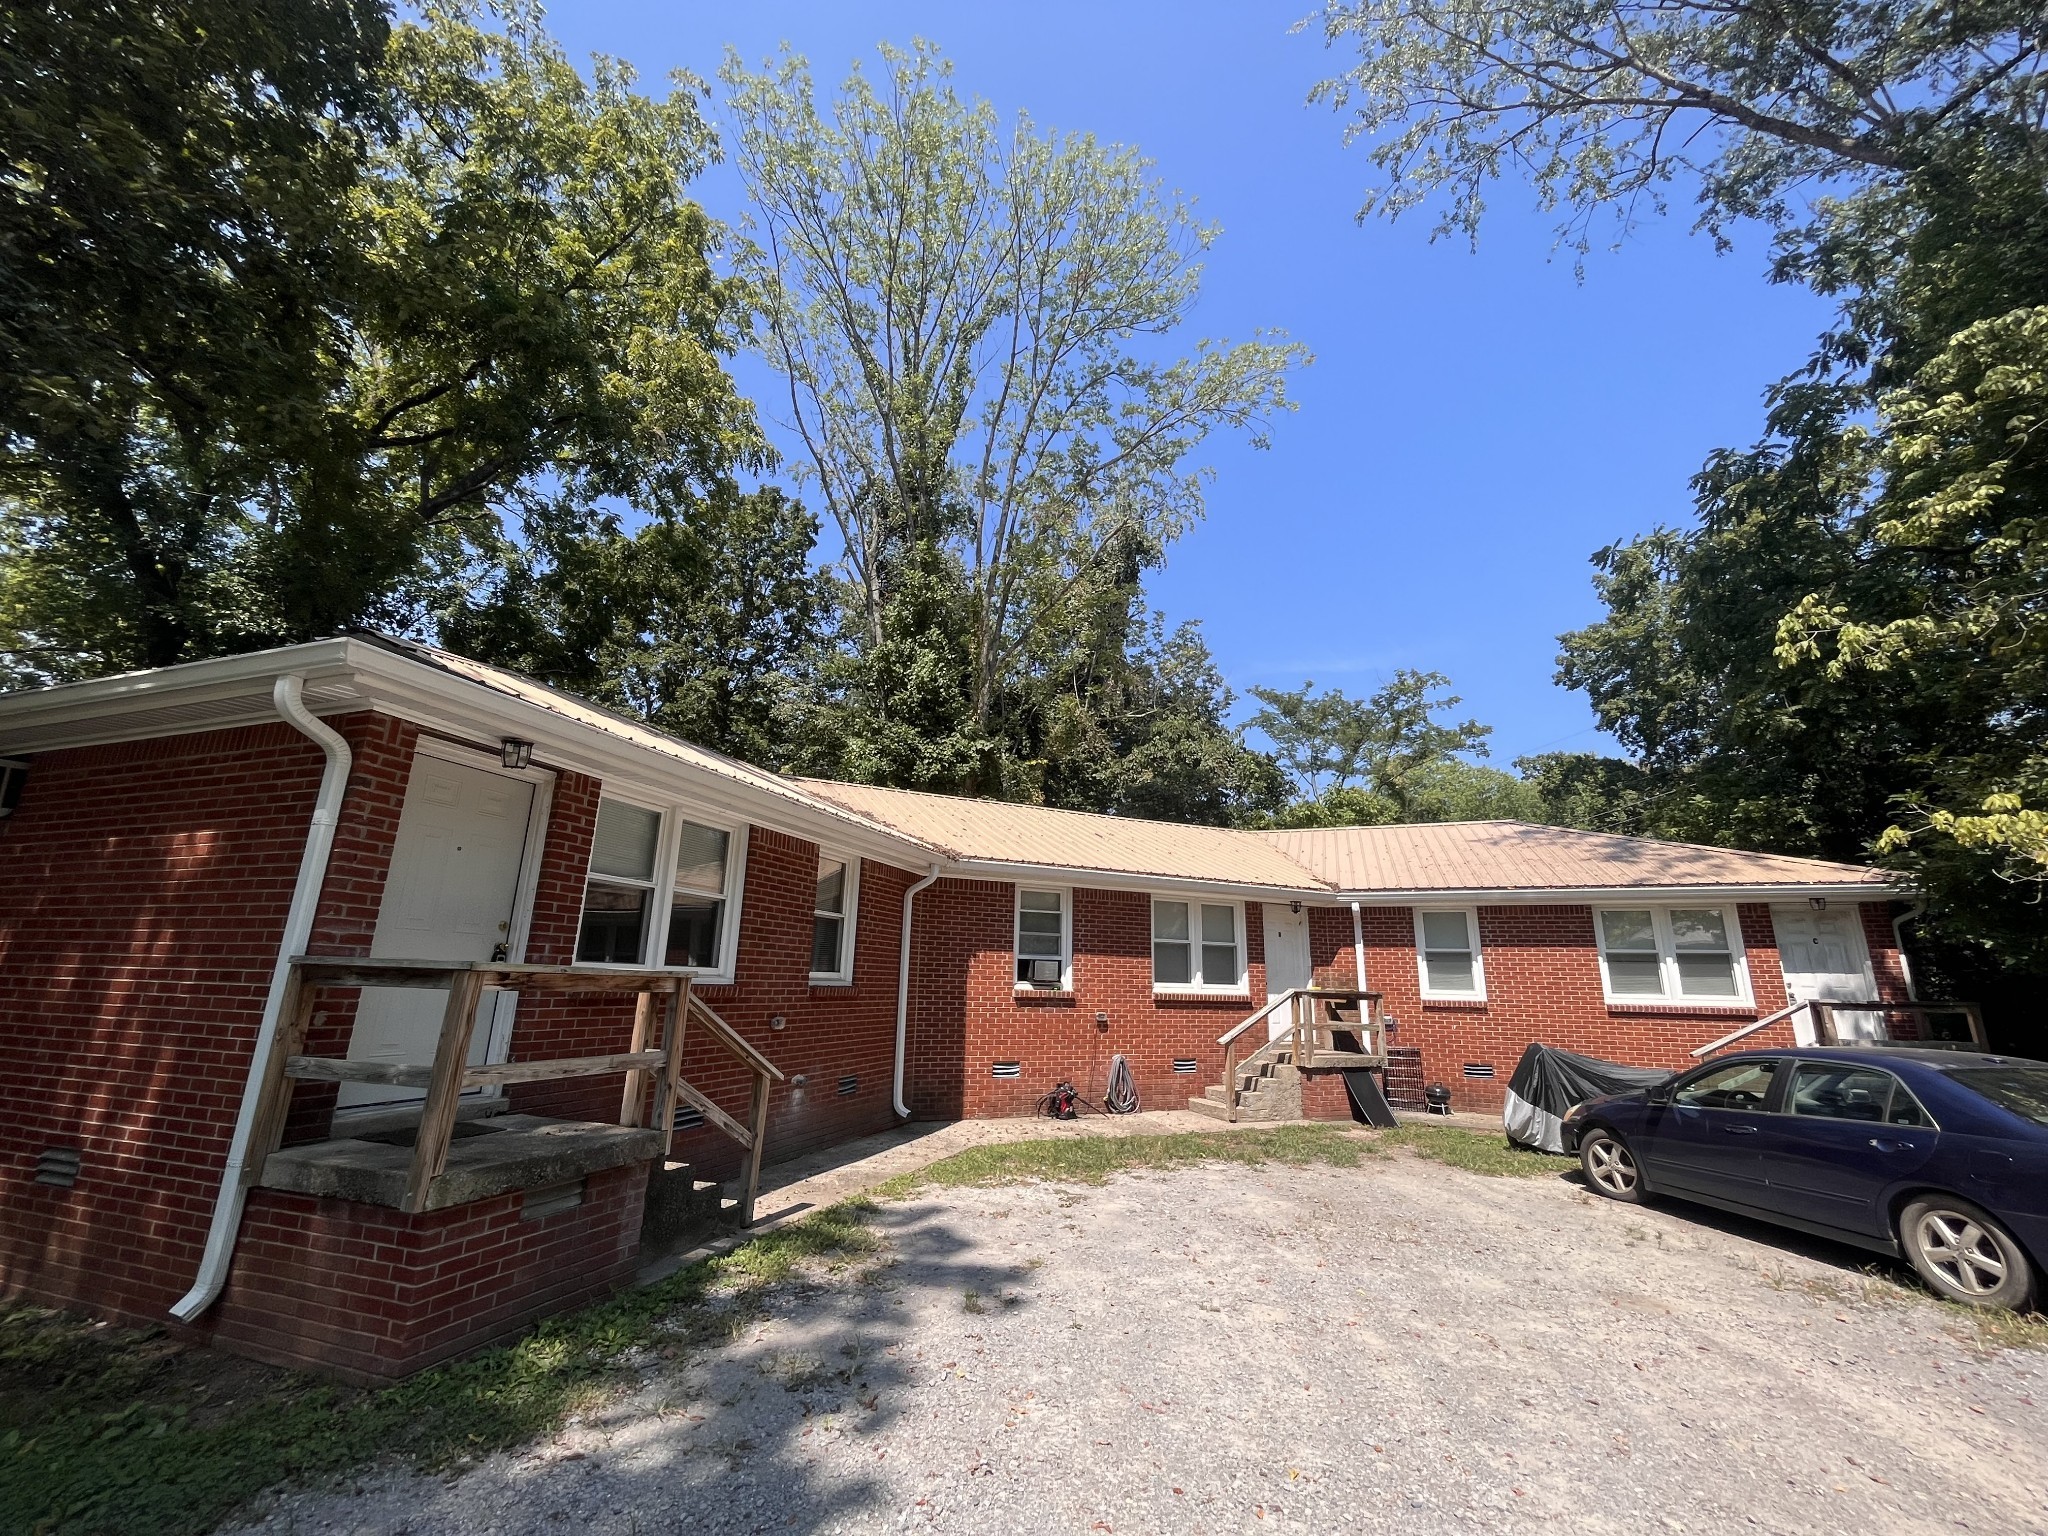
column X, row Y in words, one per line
column 450, row 894
column 1824, row 959
column 1287, row 961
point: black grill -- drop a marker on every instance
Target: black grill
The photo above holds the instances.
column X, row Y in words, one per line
column 58, row 1166
column 848, row 1085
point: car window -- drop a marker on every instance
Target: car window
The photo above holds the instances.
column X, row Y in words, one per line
column 1907, row 1110
column 1835, row 1090
column 1739, row 1085
column 2023, row 1090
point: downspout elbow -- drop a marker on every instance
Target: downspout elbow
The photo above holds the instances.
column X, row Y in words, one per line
column 244, row 1162
column 1899, row 942
column 903, row 995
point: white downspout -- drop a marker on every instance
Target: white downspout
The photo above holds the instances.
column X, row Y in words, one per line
column 903, row 993
column 235, row 1178
column 1899, row 940
column 1358, row 944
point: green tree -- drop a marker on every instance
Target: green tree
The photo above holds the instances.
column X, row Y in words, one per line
column 708, row 625
column 1384, row 758
column 970, row 323
column 173, row 188
column 512, row 314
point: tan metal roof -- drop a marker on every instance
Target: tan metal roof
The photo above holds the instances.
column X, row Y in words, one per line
column 1513, row 855
column 999, row 832
column 1471, row 856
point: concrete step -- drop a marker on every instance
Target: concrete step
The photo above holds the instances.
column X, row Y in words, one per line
column 678, row 1202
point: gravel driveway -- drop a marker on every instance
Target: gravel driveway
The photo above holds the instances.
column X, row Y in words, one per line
column 1399, row 1347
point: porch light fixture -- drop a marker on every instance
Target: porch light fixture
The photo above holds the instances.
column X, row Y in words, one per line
column 516, row 753
column 1294, row 907
column 1818, row 903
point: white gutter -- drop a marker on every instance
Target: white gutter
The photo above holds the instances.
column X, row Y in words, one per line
column 1358, row 944
column 1899, row 939
column 903, row 993
column 289, row 696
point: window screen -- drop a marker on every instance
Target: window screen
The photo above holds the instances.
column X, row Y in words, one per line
column 1449, row 953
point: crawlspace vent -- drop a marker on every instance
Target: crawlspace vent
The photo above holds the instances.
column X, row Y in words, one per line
column 1006, row 1069
column 1479, row 1069
column 849, row 1085
column 1185, row 1064
column 551, row 1200
column 688, row 1117
column 58, row 1166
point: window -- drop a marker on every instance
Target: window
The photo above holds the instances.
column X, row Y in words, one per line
column 621, row 887
column 1447, row 954
column 696, row 910
column 832, row 920
column 2023, row 1090
column 1833, row 1090
column 1739, row 1085
column 637, row 855
column 1044, row 948
column 1693, row 953
column 1196, row 946
column 12, row 775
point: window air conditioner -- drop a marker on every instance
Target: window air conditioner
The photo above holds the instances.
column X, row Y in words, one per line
column 1045, row 973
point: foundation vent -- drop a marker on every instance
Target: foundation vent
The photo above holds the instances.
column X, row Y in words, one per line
column 1006, row 1069
column 1185, row 1064
column 58, row 1166
column 849, row 1085
column 1479, row 1069
column 688, row 1117
column 551, row 1200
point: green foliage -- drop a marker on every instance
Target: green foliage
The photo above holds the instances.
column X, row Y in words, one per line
column 1602, row 105
column 146, row 1466
column 453, row 280
column 1473, row 1151
column 970, row 322
column 1092, row 1159
column 707, row 624
column 1365, row 762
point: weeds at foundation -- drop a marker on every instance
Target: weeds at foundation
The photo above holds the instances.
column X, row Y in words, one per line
column 107, row 1430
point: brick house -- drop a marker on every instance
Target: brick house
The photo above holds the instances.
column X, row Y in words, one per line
column 177, row 844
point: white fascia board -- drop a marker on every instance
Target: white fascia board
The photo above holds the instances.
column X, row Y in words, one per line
column 1125, row 880
column 1617, row 895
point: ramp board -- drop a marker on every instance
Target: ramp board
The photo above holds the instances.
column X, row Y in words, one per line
column 1367, row 1102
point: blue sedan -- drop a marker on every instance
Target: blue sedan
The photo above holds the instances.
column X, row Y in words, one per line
column 1937, row 1156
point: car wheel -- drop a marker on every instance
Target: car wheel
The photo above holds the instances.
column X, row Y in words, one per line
column 1964, row 1255
column 1610, row 1166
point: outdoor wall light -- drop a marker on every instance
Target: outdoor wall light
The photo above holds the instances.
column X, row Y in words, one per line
column 1294, row 907
column 516, row 753
column 1101, row 1018
column 797, row 1082
column 1818, row 903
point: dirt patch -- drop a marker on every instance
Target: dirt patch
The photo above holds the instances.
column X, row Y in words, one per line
column 1397, row 1346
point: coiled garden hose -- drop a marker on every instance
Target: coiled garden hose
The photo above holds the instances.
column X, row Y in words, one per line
column 1121, row 1097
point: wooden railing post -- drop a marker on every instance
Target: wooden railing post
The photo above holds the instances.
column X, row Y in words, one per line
column 444, row 1089
column 273, row 1106
column 757, row 1124
column 1230, row 1080
column 675, row 1018
column 636, row 1082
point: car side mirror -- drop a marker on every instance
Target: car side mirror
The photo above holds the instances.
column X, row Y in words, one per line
column 1661, row 1094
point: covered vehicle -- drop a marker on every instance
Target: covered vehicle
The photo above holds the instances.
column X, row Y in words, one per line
column 1549, row 1083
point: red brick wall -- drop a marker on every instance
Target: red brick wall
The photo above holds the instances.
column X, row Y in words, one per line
column 363, row 1292
column 143, row 891
column 966, row 1014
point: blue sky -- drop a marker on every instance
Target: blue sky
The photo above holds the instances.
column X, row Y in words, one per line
column 1474, row 425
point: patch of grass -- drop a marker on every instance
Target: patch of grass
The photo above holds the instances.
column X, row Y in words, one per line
column 2002, row 1329
column 1092, row 1159
column 118, row 1448
column 1474, row 1151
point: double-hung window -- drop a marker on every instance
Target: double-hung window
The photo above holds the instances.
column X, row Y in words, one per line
column 1197, row 946
column 1447, row 955
column 832, row 920
column 1044, row 939
column 1690, row 953
column 642, row 859
column 620, row 893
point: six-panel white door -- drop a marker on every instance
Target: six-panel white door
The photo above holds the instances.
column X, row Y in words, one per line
column 1825, row 959
column 1288, row 964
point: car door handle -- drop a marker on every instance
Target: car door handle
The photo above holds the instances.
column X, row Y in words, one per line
column 1739, row 1130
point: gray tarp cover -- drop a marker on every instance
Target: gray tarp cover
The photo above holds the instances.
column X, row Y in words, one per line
column 1547, row 1082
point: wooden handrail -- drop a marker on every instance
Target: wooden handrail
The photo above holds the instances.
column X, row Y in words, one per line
column 1308, row 1032
column 1747, row 1030
column 666, row 990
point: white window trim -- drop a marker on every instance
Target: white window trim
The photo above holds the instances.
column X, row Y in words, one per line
column 1066, row 896
column 1242, row 987
column 849, row 920
column 1667, row 959
column 662, row 891
column 1432, row 995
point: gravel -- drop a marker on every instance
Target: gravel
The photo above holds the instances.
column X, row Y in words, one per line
column 1399, row 1347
